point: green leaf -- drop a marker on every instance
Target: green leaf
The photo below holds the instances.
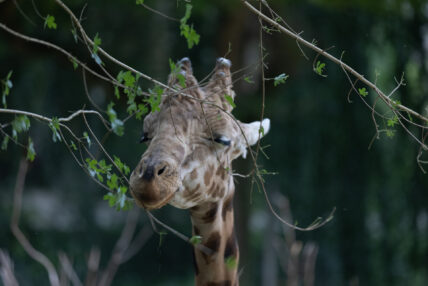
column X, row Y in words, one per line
column 176, row 71
column 196, row 239
column 112, row 183
column 50, row 22
column 393, row 121
column 104, row 168
column 186, row 30
column 390, row 133
column 139, row 2
column 187, row 14
column 6, row 86
column 117, row 92
column 20, row 124
column 181, row 80
column 116, row 124
column 172, row 66
column 4, row 143
column 31, row 153
column 74, row 32
column 110, row 198
column 230, row 100
column 155, row 98
column 73, row 146
column 97, row 59
column 249, row 79
column 320, row 68
column 54, row 126
column 88, row 140
column 262, row 130
column 127, row 78
column 363, row 92
column 92, row 166
column 122, row 166
column 141, row 110
column 97, row 42
column 280, row 79
column 231, row 262
column 74, row 62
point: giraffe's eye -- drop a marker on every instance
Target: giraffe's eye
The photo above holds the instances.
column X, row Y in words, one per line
column 222, row 140
column 144, row 137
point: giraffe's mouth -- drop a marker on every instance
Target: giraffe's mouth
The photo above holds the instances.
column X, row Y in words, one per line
column 153, row 193
column 146, row 201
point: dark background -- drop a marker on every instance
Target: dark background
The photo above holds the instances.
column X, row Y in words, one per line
column 318, row 141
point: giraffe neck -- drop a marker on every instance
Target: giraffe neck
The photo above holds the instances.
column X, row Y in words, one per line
column 214, row 223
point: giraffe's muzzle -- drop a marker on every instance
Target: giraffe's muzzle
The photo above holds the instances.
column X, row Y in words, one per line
column 153, row 184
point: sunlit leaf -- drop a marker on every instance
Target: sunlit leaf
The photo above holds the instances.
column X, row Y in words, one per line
column 20, row 124
column 5, row 143
column 196, row 239
column 54, row 126
column 50, row 22
column 230, row 100
column 280, row 79
column 363, row 92
column 31, row 153
column 186, row 30
column 116, row 125
column 319, row 68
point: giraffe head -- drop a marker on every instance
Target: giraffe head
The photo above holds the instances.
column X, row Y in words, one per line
column 192, row 141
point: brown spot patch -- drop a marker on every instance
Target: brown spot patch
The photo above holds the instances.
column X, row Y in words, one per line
column 211, row 214
column 212, row 243
column 219, row 171
column 212, row 189
column 220, row 191
column 196, row 230
column 195, row 208
column 231, row 247
column 194, row 174
column 207, row 176
column 227, row 207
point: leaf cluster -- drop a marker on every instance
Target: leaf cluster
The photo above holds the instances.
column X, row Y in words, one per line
column 103, row 172
column 186, row 30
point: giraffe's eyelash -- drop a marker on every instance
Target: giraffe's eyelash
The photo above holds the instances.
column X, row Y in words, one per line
column 223, row 140
column 144, row 137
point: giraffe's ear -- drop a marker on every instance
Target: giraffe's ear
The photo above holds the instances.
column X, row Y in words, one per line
column 254, row 130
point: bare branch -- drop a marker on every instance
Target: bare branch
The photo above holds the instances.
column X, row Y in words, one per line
column 68, row 269
column 55, row 47
column 6, row 269
column 120, row 248
column 93, row 266
column 29, row 249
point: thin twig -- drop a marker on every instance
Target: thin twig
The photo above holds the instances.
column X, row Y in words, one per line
column 330, row 57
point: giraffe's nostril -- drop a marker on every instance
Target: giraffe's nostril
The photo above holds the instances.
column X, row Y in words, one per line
column 161, row 170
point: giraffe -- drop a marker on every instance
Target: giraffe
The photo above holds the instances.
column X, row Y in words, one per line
column 191, row 145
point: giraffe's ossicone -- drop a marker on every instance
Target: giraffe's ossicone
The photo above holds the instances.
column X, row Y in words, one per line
column 192, row 141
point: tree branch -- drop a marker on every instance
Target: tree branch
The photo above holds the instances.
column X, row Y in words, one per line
column 31, row 251
column 333, row 59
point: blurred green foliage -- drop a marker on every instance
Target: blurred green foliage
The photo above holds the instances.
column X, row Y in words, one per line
column 318, row 141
